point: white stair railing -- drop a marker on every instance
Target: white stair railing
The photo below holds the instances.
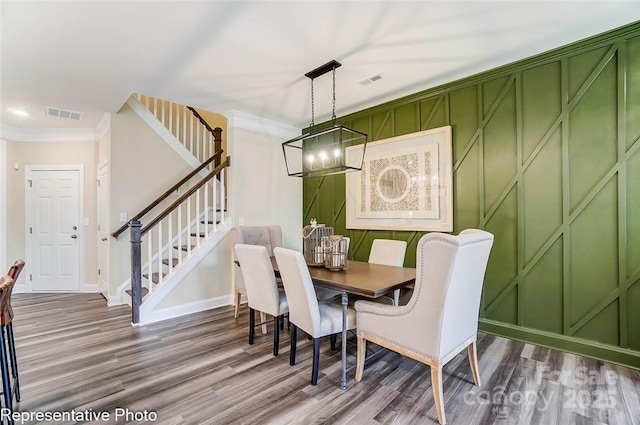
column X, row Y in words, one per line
column 183, row 123
column 175, row 233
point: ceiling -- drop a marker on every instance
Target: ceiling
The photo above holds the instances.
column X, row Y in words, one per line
column 251, row 56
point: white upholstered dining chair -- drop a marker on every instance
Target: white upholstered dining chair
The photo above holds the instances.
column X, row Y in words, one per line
column 267, row 236
column 262, row 290
column 441, row 318
column 305, row 312
column 388, row 252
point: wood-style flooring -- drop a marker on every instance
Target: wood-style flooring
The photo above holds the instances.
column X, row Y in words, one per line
column 76, row 353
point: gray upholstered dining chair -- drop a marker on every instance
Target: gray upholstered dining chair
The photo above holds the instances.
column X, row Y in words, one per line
column 305, row 312
column 262, row 290
column 441, row 318
column 388, row 252
column 267, row 236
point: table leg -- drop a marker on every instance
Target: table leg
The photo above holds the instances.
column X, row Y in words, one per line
column 343, row 381
column 396, row 296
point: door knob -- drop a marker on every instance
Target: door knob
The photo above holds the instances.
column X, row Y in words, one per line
column 75, row 227
column 74, row 236
column 104, row 239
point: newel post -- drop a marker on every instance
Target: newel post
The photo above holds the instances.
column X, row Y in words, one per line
column 136, row 270
column 217, row 140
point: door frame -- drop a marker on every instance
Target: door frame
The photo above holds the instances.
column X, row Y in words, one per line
column 28, row 169
column 107, row 201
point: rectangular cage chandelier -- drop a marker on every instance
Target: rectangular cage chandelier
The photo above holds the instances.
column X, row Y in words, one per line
column 322, row 152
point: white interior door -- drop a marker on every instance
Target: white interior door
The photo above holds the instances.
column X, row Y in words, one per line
column 103, row 230
column 55, row 230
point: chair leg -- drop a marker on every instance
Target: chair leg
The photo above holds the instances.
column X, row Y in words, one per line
column 14, row 361
column 252, row 325
column 362, row 353
column 334, row 339
column 316, row 361
column 276, row 335
column 6, row 385
column 263, row 320
column 473, row 361
column 294, row 341
column 281, row 321
column 436, row 384
column 236, row 312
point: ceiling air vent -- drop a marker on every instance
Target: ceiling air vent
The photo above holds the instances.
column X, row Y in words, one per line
column 370, row 79
column 63, row 113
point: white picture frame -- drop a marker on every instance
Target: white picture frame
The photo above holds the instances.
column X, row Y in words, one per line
column 406, row 183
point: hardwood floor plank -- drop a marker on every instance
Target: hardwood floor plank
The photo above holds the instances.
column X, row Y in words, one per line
column 74, row 352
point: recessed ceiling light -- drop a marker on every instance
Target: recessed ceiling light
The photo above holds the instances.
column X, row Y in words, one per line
column 20, row 112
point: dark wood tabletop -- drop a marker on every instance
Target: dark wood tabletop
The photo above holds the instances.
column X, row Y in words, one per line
column 361, row 278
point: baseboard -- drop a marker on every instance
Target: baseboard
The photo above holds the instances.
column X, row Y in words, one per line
column 90, row 287
column 189, row 308
column 596, row 350
column 20, row 288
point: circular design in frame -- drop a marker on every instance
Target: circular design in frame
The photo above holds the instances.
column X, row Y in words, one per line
column 393, row 183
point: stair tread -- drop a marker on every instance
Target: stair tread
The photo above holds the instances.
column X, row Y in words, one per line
column 209, row 222
column 155, row 277
column 145, row 291
column 174, row 261
column 202, row 235
column 184, row 247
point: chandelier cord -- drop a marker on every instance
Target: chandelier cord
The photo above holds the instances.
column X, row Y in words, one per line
column 333, row 117
column 312, row 108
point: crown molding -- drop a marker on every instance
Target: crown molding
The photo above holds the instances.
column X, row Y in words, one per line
column 250, row 122
column 16, row 134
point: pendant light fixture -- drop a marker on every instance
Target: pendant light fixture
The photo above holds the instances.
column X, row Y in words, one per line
column 322, row 152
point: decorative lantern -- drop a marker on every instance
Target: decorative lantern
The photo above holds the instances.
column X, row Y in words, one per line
column 335, row 252
column 313, row 237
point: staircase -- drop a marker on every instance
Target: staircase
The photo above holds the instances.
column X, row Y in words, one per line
column 168, row 239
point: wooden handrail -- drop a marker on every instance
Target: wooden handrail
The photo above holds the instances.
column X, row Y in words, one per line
column 217, row 132
column 185, row 195
column 169, row 191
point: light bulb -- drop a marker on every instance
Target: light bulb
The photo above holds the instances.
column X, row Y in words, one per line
column 310, row 158
column 336, row 153
column 323, row 155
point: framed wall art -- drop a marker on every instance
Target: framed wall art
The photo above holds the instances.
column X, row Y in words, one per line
column 406, row 183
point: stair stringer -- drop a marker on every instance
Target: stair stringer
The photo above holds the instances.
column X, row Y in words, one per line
column 150, row 311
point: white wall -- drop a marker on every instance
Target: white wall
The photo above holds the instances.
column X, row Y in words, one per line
column 44, row 154
column 260, row 191
column 3, row 206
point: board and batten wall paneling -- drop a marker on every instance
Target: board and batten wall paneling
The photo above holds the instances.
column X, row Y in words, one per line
column 546, row 156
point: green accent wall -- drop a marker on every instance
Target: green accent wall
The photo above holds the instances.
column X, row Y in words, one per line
column 546, row 156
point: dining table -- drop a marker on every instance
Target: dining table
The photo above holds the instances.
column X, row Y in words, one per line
column 362, row 279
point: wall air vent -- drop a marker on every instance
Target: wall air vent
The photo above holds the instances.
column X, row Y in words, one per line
column 370, row 79
column 63, row 113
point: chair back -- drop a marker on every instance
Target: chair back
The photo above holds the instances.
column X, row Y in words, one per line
column 388, row 252
column 6, row 286
column 301, row 294
column 259, row 278
column 6, row 311
column 267, row 236
column 446, row 300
